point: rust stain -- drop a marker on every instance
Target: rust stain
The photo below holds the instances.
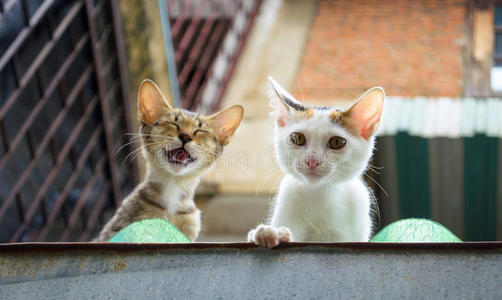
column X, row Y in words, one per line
column 117, row 266
column 125, row 249
column 82, row 263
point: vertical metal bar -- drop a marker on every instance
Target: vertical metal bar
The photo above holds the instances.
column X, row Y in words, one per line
column 499, row 193
column 169, row 50
column 26, row 14
column 49, row 19
column 446, row 168
column 31, row 144
column 20, row 207
column 17, row 70
column 124, row 78
column 43, row 209
column 54, row 150
column 105, row 109
column 5, row 137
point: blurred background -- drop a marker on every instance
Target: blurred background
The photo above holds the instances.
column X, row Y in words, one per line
column 69, row 72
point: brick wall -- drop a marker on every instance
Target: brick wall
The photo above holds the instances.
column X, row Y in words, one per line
column 411, row 48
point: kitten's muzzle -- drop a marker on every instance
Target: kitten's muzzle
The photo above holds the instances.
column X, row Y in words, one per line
column 179, row 156
column 184, row 138
column 312, row 163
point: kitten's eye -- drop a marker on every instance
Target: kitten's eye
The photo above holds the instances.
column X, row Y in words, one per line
column 298, row 138
column 337, row 142
column 199, row 131
column 175, row 125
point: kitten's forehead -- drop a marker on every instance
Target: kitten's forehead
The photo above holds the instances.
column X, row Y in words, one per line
column 186, row 117
column 321, row 121
column 336, row 115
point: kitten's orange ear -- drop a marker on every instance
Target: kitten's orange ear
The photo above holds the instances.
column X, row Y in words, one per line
column 226, row 122
column 151, row 102
column 364, row 115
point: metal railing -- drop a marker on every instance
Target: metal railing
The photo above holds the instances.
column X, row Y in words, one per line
column 63, row 114
column 207, row 38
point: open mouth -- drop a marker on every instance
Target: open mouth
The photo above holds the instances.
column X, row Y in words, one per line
column 179, row 156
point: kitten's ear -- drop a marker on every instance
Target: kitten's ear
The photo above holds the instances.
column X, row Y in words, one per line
column 151, row 102
column 364, row 115
column 226, row 122
column 284, row 104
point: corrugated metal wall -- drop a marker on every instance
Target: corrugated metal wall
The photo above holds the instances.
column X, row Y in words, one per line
column 442, row 159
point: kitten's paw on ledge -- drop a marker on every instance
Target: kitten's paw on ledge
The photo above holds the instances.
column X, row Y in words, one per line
column 269, row 236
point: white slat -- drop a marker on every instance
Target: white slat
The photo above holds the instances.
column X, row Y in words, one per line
column 391, row 112
column 469, row 113
column 480, row 116
column 456, row 118
column 404, row 115
column 418, row 117
column 430, row 117
column 443, row 117
column 492, row 117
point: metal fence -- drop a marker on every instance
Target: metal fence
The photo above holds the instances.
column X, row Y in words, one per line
column 63, row 114
column 442, row 159
column 206, row 39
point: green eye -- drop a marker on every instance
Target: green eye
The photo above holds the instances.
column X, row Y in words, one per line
column 337, row 142
column 298, row 138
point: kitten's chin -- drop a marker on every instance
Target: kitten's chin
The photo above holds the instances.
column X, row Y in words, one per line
column 179, row 170
column 312, row 177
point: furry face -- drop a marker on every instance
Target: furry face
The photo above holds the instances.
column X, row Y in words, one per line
column 323, row 144
column 178, row 141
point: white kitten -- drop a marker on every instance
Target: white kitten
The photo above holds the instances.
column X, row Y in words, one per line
column 324, row 152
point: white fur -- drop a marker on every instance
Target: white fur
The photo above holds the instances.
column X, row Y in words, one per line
column 331, row 206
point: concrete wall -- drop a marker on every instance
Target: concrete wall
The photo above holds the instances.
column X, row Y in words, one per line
column 274, row 48
column 144, row 50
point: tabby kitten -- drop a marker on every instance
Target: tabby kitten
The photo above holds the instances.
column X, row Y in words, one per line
column 178, row 146
column 324, row 152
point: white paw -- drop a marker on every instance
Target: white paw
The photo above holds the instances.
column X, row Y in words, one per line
column 269, row 236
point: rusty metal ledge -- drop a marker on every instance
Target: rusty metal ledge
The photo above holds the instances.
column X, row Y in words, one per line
column 243, row 271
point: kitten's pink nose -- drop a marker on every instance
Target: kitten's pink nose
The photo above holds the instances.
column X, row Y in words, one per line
column 312, row 163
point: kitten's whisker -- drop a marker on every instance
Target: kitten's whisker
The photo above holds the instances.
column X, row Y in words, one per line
column 378, row 184
column 131, row 156
column 373, row 169
column 134, row 153
column 126, row 144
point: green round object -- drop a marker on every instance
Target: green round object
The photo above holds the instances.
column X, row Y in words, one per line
column 150, row 231
column 415, row 231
